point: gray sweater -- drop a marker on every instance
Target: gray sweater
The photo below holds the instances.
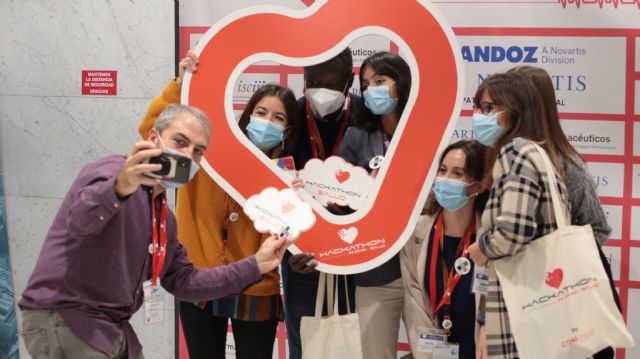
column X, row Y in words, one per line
column 585, row 204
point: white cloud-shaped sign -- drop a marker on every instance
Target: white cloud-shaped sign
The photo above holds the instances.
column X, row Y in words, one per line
column 335, row 180
column 274, row 210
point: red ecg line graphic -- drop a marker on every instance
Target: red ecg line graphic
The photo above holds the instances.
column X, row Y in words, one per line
column 564, row 3
column 600, row 3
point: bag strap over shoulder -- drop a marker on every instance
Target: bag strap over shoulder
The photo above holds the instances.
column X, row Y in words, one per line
column 553, row 184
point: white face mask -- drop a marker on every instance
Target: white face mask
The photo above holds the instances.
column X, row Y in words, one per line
column 324, row 101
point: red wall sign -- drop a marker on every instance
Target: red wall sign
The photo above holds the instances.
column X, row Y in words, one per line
column 99, row 82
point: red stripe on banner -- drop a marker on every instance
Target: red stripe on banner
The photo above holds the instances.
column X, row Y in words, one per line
column 284, row 79
column 185, row 37
column 625, row 250
column 393, row 48
column 632, row 243
column 292, row 69
column 574, row 116
column 604, row 158
column 495, row 2
column 613, row 243
column 260, row 69
column 564, row 3
column 634, row 284
column 591, row 116
column 466, row 113
column 540, row 31
column 620, row 201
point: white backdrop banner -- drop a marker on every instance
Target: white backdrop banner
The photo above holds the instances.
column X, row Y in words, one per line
column 591, row 48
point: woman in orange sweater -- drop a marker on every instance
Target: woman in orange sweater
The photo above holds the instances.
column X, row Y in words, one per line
column 214, row 230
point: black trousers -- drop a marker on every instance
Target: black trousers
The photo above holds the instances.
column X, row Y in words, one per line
column 206, row 334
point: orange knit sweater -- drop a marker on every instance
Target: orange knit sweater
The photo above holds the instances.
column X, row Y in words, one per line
column 203, row 209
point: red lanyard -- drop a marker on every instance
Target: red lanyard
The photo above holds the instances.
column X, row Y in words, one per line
column 450, row 279
column 159, row 252
column 314, row 135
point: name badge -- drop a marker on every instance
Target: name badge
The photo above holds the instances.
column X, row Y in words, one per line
column 446, row 351
column 153, row 302
column 480, row 283
column 429, row 339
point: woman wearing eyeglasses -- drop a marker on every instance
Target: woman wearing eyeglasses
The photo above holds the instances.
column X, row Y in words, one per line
column 509, row 117
column 585, row 204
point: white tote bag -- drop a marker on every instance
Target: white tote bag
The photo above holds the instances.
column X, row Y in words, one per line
column 557, row 293
column 333, row 336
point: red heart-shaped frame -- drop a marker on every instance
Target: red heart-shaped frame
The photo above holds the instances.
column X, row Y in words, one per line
column 301, row 38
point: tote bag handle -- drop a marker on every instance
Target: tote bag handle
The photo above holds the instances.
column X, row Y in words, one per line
column 327, row 281
column 555, row 197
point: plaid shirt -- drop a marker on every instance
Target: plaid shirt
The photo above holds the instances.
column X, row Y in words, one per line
column 519, row 210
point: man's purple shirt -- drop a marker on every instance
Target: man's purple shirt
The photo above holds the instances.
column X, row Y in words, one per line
column 96, row 257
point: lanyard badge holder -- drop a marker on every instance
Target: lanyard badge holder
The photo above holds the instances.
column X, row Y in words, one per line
column 434, row 342
column 480, row 283
column 462, row 266
column 153, row 292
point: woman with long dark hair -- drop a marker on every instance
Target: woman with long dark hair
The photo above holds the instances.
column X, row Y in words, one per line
column 385, row 81
column 510, row 118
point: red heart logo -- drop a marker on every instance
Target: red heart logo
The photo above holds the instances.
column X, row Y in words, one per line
column 342, row 176
column 287, row 207
column 301, row 38
column 554, row 278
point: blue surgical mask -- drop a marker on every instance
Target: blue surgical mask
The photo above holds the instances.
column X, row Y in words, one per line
column 378, row 101
column 486, row 129
column 192, row 170
column 264, row 133
column 451, row 194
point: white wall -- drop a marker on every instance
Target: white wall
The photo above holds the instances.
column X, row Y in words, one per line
column 48, row 130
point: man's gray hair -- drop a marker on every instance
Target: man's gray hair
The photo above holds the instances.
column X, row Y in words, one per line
column 173, row 111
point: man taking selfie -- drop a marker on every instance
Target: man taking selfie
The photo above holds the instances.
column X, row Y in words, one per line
column 112, row 247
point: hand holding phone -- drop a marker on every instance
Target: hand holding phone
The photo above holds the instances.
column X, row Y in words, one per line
column 175, row 167
column 131, row 175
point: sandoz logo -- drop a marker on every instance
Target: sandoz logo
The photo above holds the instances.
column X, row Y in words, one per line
column 512, row 54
